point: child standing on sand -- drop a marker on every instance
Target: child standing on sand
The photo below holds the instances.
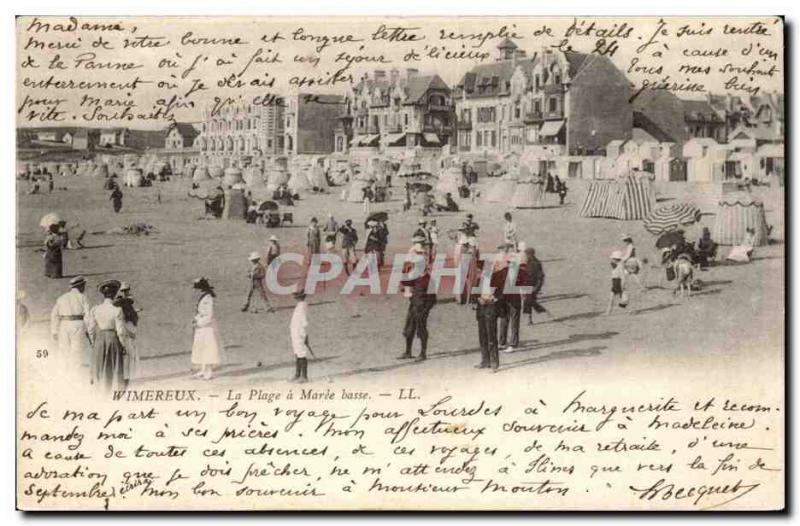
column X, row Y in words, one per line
column 617, row 282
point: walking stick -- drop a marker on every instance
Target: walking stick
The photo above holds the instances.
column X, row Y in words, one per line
column 308, row 345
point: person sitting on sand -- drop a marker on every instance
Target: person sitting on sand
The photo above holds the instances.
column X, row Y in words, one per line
column 743, row 252
column 706, row 248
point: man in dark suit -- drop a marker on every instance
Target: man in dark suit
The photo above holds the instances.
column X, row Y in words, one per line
column 491, row 306
column 420, row 303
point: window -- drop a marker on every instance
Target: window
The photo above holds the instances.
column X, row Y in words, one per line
column 517, row 111
column 478, row 139
column 552, row 104
column 494, row 138
column 405, row 119
column 537, row 106
column 557, row 78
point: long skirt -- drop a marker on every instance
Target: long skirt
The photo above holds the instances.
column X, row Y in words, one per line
column 108, row 361
column 207, row 347
column 54, row 264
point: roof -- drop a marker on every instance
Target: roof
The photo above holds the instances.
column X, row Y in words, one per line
column 483, row 75
column 415, row 87
column 699, row 110
column 507, row 43
column 185, row 129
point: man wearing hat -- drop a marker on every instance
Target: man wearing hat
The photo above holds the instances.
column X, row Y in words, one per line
column 512, row 302
column 313, row 240
column 490, row 307
column 374, row 239
column 330, row 230
column 617, row 282
column 256, row 276
column 273, row 249
column 420, row 303
column 383, row 236
column 298, row 335
column 68, row 324
column 349, row 241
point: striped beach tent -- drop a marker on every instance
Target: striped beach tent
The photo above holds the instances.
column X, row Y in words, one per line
column 626, row 198
column 736, row 213
column 671, row 216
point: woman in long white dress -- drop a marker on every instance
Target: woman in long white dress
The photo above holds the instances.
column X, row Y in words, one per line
column 207, row 348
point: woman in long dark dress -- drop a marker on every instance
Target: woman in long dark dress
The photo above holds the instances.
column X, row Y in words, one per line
column 53, row 253
column 106, row 328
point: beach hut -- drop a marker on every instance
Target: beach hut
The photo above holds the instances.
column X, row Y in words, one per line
column 627, row 198
column 771, row 163
column 705, row 160
column 736, row 213
column 235, row 204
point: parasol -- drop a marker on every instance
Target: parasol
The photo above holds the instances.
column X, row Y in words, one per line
column 420, row 187
column 267, row 205
column 671, row 216
column 376, row 216
column 49, row 219
column 671, row 238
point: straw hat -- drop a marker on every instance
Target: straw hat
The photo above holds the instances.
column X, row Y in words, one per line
column 616, row 255
column 254, row 256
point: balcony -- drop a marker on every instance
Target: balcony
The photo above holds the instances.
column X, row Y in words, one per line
column 440, row 107
column 373, row 130
column 396, row 128
column 553, row 89
column 533, row 117
column 553, row 115
column 464, row 125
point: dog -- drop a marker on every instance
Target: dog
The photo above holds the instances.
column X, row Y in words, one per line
column 684, row 276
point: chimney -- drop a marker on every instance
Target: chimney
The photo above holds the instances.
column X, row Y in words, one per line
column 380, row 74
column 411, row 72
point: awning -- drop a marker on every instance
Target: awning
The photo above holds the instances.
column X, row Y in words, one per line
column 551, row 128
column 431, row 137
column 394, row 137
column 367, row 140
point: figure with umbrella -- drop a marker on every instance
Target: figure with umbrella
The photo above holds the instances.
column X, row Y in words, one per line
column 268, row 211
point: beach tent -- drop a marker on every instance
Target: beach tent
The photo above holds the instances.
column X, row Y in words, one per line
column 626, row 198
column 232, row 176
column 277, row 176
column 503, row 189
column 66, row 171
column 316, row 177
column 449, row 181
column 200, row 174
column 529, row 193
column 736, row 213
column 133, row 178
column 100, row 170
column 215, row 171
column 298, row 181
column 254, row 177
column 355, row 192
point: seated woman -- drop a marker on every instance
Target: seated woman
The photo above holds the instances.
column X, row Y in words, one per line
column 706, row 248
column 743, row 252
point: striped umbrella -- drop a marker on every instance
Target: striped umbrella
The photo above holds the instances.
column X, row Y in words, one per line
column 668, row 217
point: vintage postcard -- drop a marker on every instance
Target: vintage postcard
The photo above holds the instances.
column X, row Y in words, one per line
column 409, row 263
